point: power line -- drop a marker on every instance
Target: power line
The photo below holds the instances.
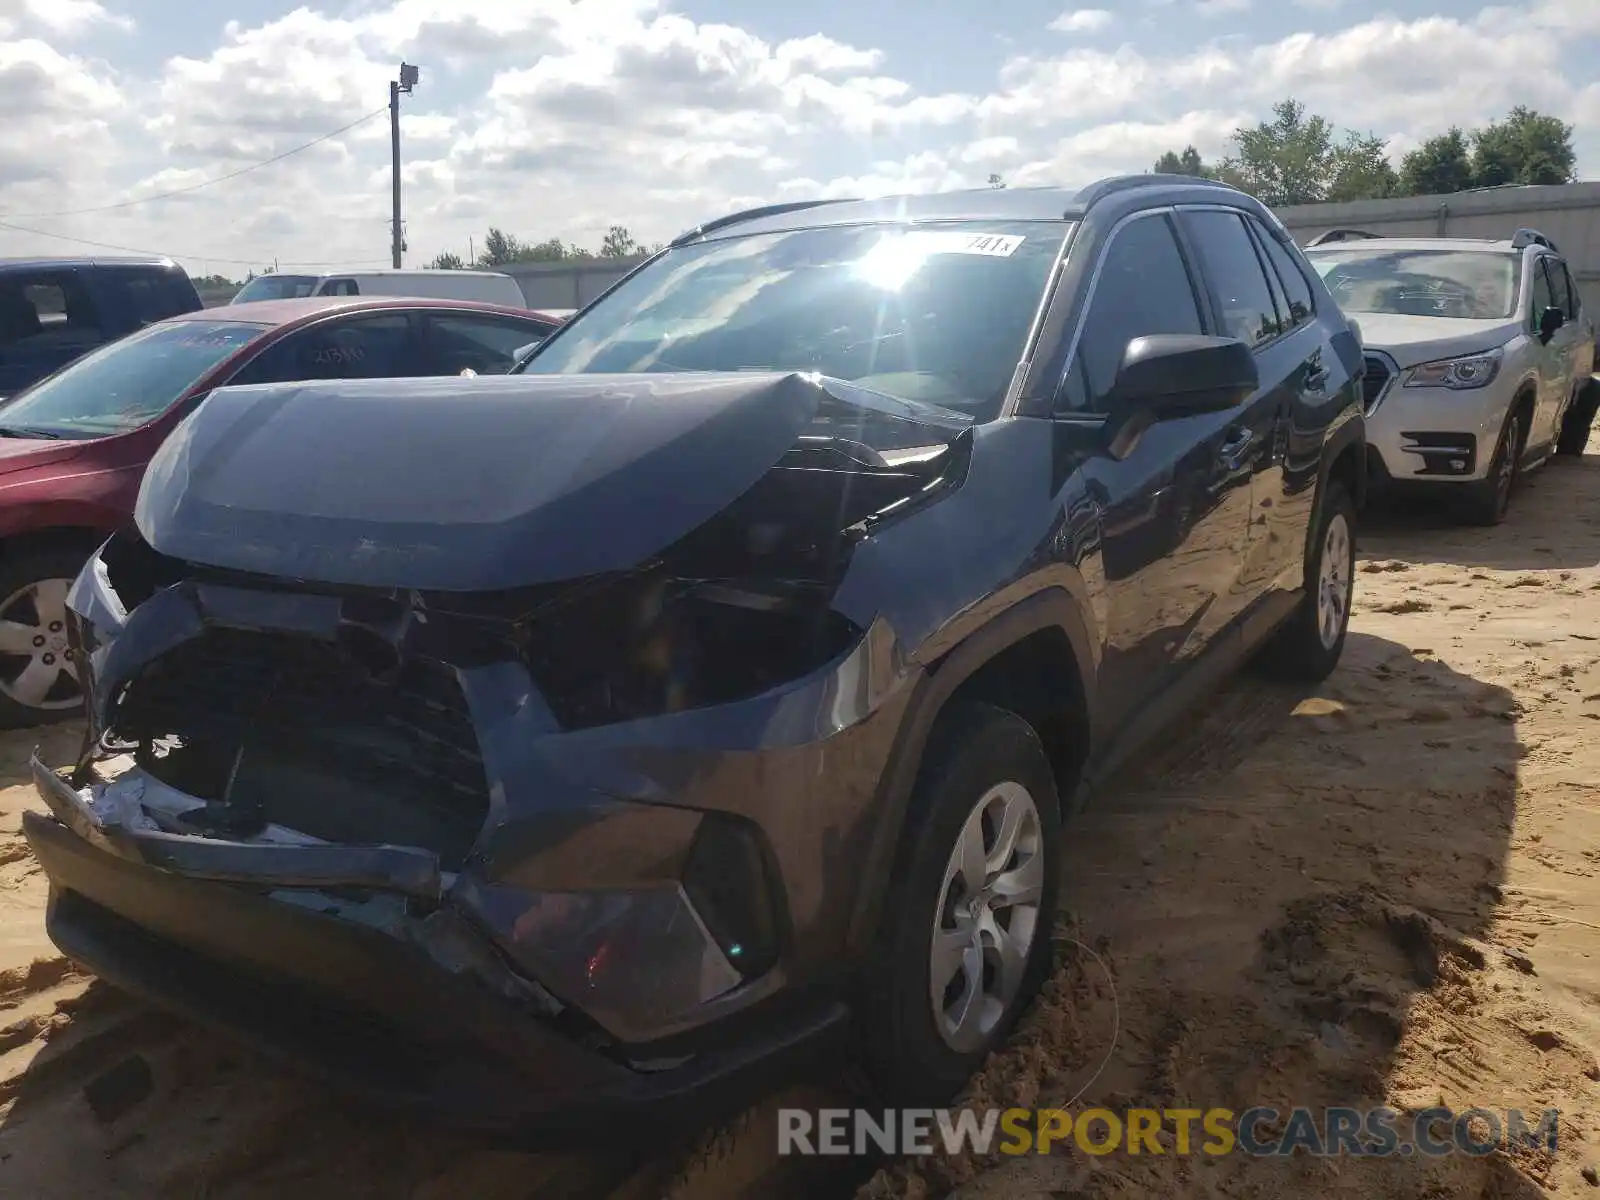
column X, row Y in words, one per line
column 205, row 183
column 217, row 258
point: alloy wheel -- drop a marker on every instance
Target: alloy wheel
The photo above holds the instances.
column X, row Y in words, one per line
column 988, row 916
column 1334, row 581
column 36, row 663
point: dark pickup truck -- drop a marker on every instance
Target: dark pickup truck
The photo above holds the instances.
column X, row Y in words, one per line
column 54, row 309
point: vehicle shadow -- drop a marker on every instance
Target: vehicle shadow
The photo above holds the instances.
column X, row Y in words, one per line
column 1553, row 523
column 1269, row 910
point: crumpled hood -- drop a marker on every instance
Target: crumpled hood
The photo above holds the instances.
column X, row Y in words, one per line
column 478, row 484
column 1412, row 340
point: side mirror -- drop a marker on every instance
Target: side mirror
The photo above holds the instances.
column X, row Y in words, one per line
column 1178, row 375
column 1550, row 322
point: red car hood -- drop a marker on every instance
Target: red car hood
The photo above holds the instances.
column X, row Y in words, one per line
column 18, row 454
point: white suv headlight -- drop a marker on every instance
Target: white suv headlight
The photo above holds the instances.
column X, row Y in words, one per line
column 1468, row 371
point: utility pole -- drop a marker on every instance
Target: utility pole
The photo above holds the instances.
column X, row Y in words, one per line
column 407, row 81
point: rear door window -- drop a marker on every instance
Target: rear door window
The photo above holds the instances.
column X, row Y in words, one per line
column 1289, row 275
column 1234, row 273
column 484, row 345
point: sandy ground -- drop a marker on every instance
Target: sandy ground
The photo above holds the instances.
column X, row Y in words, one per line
column 1386, row 890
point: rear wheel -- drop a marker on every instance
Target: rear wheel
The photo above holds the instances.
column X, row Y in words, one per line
column 966, row 937
column 1580, row 416
column 1309, row 645
column 1488, row 500
column 38, row 677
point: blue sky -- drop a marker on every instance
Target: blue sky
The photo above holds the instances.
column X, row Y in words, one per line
column 561, row 117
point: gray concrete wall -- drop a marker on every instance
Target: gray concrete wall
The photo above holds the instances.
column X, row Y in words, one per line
column 1568, row 214
column 569, row 285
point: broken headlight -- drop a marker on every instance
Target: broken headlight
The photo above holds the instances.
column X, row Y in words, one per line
column 654, row 644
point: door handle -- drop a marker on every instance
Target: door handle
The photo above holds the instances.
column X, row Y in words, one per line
column 1236, row 447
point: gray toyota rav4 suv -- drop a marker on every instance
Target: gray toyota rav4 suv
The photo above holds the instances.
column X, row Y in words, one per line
column 577, row 743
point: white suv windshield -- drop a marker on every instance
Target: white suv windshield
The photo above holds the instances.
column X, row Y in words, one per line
column 277, row 287
column 1478, row 285
column 125, row 384
column 935, row 313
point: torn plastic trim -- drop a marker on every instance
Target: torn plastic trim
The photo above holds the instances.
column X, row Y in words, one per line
column 116, row 830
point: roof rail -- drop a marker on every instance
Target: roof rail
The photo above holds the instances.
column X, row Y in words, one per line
column 1102, row 188
column 753, row 214
column 1524, row 238
column 1342, row 235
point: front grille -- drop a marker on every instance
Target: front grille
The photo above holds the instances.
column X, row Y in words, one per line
column 1374, row 381
column 401, row 739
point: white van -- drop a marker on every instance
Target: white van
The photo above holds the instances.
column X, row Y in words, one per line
column 490, row 287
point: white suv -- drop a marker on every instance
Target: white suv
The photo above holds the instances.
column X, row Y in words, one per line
column 1476, row 353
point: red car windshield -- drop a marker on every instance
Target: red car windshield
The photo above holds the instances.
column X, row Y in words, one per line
column 123, row 385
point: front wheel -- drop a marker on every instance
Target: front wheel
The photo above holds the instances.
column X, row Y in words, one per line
column 1309, row 645
column 1488, row 500
column 38, row 676
column 966, row 938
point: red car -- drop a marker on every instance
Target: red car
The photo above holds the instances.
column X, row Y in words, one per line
column 73, row 447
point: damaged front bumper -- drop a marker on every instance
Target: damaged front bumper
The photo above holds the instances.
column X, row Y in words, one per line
column 418, row 1013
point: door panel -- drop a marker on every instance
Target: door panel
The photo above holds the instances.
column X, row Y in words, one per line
column 1252, row 304
column 1315, row 385
column 1552, row 359
column 1172, row 530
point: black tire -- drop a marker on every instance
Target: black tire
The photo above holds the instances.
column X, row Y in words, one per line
column 18, row 574
column 1579, row 419
column 1487, row 501
column 972, row 750
column 1299, row 652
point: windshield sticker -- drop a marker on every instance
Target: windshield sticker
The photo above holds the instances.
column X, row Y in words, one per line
column 992, row 245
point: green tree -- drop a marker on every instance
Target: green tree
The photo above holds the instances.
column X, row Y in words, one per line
column 1287, row 160
column 1187, row 163
column 1439, row 166
column 1361, row 169
column 996, row 180
column 619, row 243
column 501, row 249
column 1524, row 147
column 446, row 261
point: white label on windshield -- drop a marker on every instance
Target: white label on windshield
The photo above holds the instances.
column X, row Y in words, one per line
column 995, row 245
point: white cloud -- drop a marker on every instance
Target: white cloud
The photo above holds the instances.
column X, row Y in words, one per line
column 52, row 103
column 561, row 117
column 66, row 18
column 1082, row 20
column 1219, row 8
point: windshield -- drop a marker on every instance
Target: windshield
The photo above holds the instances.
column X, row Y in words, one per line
column 936, row 314
column 1477, row 285
column 277, row 287
column 126, row 383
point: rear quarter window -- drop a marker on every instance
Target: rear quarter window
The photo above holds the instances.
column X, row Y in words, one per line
column 38, row 309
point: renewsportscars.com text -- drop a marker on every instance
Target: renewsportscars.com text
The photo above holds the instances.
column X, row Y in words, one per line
column 1262, row 1131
